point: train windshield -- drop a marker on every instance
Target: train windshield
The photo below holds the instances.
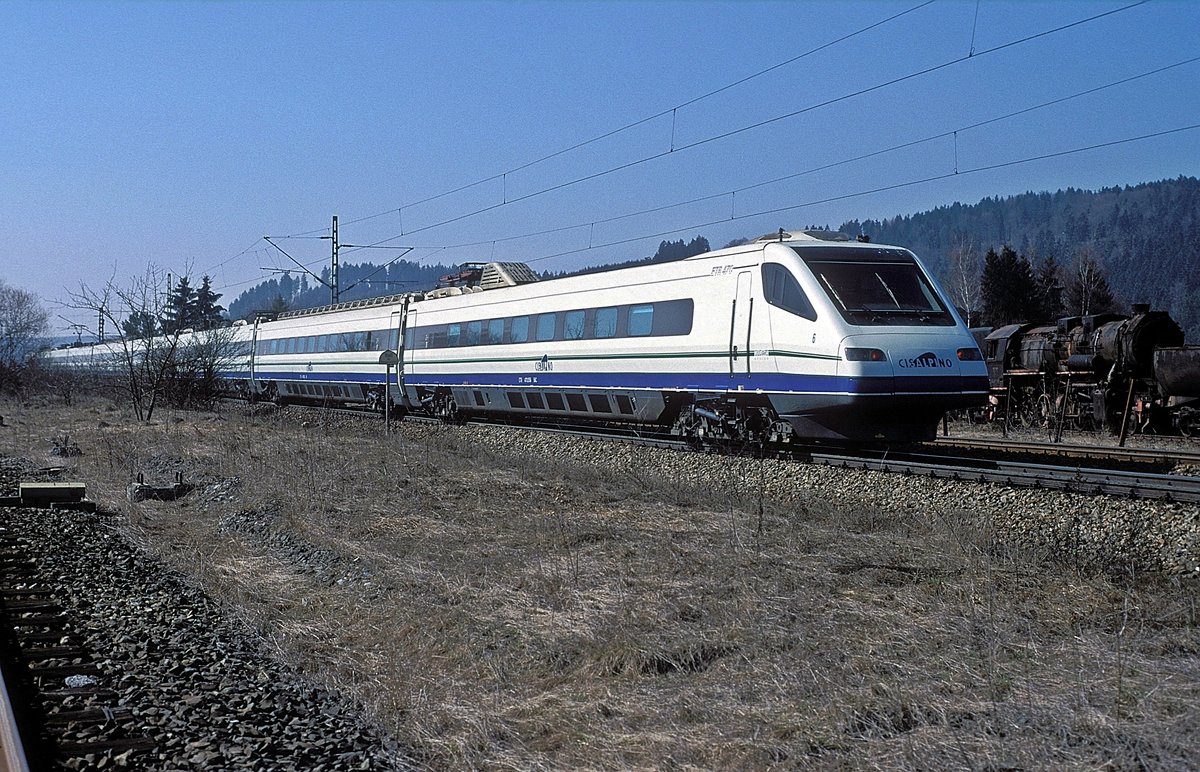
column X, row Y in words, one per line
column 877, row 286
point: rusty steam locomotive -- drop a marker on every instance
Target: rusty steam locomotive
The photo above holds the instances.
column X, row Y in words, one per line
column 1102, row 372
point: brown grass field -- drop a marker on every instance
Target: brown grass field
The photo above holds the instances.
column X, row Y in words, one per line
column 509, row 607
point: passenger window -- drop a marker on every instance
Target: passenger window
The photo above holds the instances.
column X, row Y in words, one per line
column 606, row 322
column 782, row 290
column 573, row 325
column 360, row 341
column 312, row 344
column 641, row 320
column 545, row 327
column 495, row 331
column 453, row 334
column 520, row 329
column 474, row 330
column 291, row 346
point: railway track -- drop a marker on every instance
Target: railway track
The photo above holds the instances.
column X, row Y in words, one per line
column 1162, row 458
column 62, row 719
column 1086, row 469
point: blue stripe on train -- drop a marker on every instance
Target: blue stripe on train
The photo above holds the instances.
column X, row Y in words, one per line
column 772, row 382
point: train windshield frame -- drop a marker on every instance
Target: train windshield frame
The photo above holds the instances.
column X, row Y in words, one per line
column 880, row 287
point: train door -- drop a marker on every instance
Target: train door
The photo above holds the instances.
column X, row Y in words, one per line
column 252, row 383
column 396, row 325
column 741, row 321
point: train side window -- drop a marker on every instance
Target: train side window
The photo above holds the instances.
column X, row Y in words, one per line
column 600, row 403
column 576, row 403
column 360, row 341
column 545, row 326
column 573, row 325
column 291, row 346
column 474, row 332
column 783, row 291
column 554, row 401
column 535, row 400
column 641, row 320
column 453, row 334
column 312, row 344
column 520, row 329
column 495, row 331
column 606, row 322
column 516, row 400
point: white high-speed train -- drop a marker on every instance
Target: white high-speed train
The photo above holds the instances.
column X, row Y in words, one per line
column 802, row 334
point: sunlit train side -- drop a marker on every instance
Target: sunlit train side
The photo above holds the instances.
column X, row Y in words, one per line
column 794, row 336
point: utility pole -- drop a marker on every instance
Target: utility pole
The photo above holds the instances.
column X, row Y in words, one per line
column 334, row 277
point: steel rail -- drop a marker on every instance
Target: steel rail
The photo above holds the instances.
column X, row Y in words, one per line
column 1170, row 487
column 1160, row 456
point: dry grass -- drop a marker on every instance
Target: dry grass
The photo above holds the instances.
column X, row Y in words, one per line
column 516, row 611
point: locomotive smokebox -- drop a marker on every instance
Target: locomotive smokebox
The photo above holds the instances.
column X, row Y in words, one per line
column 1130, row 343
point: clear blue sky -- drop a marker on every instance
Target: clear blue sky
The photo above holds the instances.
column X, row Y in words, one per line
column 180, row 133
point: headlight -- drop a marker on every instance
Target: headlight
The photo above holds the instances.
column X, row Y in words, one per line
column 865, row 355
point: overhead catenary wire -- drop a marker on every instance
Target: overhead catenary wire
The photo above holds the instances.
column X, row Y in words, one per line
column 639, row 122
column 880, row 189
column 732, row 193
column 765, row 122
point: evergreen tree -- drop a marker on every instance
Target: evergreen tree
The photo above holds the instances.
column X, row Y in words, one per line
column 1008, row 288
column 140, row 325
column 1049, row 289
column 278, row 305
column 207, row 312
column 181, row 307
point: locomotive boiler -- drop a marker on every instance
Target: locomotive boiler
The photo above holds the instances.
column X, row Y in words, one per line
column 1104, row 371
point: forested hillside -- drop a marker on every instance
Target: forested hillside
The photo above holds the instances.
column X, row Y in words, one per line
column 1145, row 237
column 357, row 282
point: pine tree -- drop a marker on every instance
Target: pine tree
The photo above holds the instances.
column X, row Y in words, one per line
column 181, row 307
column 1049, row 289
column 207, row 312
column 1008, row 288
column 140, row 325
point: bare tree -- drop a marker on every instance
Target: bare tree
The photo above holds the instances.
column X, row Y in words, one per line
column 1088, row 291
column 965, row 267
column 22, row 321
column 138, row 360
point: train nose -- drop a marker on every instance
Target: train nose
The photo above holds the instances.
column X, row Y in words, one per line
column 901, row 365
column 927, row 370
